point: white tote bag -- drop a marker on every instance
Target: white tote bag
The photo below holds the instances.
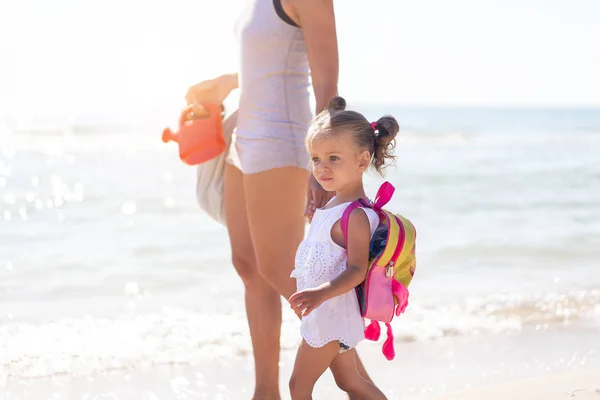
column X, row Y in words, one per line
column 209, row 184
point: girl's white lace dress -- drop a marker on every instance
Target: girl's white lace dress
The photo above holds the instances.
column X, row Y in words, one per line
column 319, row 260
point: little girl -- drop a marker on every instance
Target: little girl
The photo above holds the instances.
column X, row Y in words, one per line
column 342, row 145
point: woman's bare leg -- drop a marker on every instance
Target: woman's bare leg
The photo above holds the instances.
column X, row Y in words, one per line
column 275, row 202
column 263, row 303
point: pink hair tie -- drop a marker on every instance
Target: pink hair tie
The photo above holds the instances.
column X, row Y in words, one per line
column 374, row 125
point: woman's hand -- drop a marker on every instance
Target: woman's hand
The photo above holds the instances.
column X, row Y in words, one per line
column 213, row 90
column 316, row 197
column 307, row 300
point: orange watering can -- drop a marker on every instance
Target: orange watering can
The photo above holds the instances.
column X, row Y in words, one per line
column 200, row 137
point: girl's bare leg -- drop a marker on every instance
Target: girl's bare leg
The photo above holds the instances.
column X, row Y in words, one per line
column 348, row 378
column 310, row 364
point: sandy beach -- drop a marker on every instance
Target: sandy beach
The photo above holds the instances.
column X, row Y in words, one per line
column 187, row 384
column 581, row 385
column 530, row 365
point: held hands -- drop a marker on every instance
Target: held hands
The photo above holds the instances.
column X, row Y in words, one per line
column 316, row 197
column 306, row 301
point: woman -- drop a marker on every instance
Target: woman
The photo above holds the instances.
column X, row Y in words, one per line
column 284, row 45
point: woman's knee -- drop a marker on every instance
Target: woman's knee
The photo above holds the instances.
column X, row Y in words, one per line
column 245, row 267
column 277, row 276
column 269, row 268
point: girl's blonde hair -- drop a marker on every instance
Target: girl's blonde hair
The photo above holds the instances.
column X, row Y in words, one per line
column 378, row 137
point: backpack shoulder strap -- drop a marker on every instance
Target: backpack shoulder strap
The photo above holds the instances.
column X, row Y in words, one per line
column 346, row 217
column 384, row 194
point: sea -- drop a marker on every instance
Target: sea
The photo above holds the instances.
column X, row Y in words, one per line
column 115, row 284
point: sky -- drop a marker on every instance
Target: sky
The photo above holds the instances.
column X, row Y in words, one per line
column 115, row 56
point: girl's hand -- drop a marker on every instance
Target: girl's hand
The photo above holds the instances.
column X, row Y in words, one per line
column 306, row 301
column 316, row 197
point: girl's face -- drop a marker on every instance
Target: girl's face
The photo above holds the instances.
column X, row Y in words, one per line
column 337, row 163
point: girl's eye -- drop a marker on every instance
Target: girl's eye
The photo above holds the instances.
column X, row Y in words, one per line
column 334, row 158
column 315, row 159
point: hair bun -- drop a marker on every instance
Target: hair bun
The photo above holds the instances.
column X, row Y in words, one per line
column 336, row 103
column 388, row 128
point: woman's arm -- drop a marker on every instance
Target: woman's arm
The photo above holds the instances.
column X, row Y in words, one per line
column 359, row 237
column 231, row 80
column 214, row 90
column 317, row 19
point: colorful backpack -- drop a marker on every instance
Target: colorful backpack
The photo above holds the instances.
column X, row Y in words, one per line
column 392, row 263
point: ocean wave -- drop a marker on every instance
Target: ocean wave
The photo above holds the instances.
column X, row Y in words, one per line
column 90, row 345
column 499, row 138
column 415, row 134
